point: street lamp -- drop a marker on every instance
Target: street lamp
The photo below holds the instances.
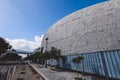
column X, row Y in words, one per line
column 46, row 51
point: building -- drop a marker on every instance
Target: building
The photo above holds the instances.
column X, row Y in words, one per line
column 93, row 32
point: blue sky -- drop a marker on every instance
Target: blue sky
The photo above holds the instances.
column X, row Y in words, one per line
column 27, row 19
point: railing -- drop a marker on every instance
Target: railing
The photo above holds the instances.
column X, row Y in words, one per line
column 3, row 73
column 11, row 73
column 7, row 73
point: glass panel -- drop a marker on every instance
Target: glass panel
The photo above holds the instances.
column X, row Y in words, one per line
column 101, row 69
column 114, row 63
column 117, row 60
column 107, row 58
column 110, row 64
column 93, row 63
column 87, row 63
column 88, row 60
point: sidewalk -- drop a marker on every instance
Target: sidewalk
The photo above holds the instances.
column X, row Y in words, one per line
column 56, row 75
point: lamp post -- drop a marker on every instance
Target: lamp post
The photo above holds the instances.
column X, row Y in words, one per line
column 46, row 51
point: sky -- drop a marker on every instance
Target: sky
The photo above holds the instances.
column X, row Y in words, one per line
column 23, row 23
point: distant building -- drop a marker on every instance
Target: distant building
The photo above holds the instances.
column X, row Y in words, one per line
column 93, row 32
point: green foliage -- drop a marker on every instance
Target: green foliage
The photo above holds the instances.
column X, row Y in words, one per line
column 11, row 57
column 37, row 55
column 55, row 53
column 77, row 59
column 13, row 50
column 4, row 45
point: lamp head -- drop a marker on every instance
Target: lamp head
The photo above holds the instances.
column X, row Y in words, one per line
column 46, row 38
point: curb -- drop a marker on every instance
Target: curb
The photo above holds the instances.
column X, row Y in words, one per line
column 40, row 74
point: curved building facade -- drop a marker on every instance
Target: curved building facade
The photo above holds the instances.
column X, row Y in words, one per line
column 94, row 30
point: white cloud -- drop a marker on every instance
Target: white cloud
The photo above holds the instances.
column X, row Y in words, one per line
column 23, row 44
column 38, row 38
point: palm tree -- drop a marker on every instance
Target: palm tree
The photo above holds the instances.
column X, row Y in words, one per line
column 78, row 60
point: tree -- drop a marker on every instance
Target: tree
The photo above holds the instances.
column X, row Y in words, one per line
column 77, row 60
column 39, row 56
column 35, row 57
column 11, row 57
column 32, row 57
column 13, row 50
column 4, row 46
column 55, row 54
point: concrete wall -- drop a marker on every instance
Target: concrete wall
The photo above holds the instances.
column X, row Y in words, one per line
column 95, row 28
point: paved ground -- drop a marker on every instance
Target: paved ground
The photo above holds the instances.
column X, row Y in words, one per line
column 18, row 72
column 24, row 72
column 57, row 74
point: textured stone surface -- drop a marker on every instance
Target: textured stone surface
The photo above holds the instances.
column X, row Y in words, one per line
column 95, row 28
column 58, row 74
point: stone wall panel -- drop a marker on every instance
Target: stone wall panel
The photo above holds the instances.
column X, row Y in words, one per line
column 95, row 28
